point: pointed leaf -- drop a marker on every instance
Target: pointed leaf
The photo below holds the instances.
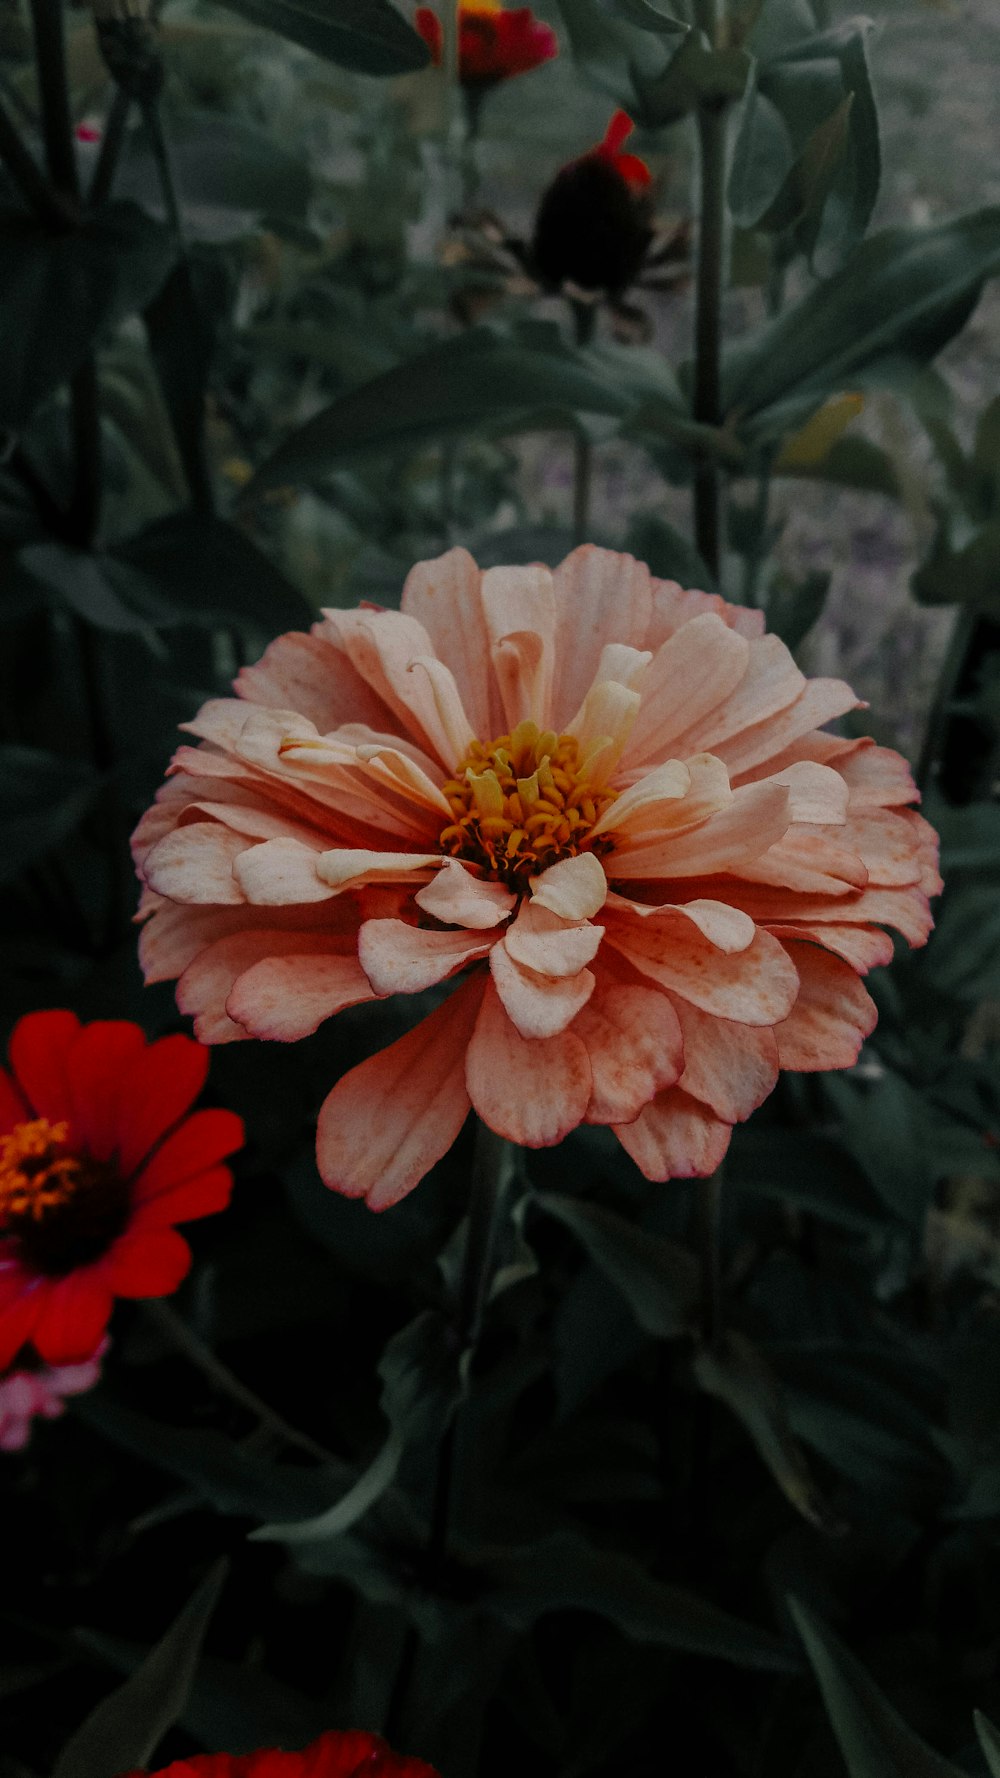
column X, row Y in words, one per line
column 126, row 1728
column 989, row 1741
column 368, row 36
column 871, row 1735
column 735, row 1373
column 660, row 1280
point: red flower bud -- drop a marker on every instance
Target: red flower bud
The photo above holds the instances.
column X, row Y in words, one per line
column 592, row 228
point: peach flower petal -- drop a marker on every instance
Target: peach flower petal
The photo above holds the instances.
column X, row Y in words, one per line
column 311, row 675
column 519, row 607
column 343, row 869
column 458, row 898
column 575, row 888
column 817, row 795
column 756, row 819
column 675, row 1137
column 674, row 605
column 542, row 941
column 731, row 1068
column 281, row 873
column 886, row 843
column 444, row 596
column 210, row 976
column 757, row 986
column 195, row 864
column 727, row 928
column 531, row 1090
column 283, row 998
column 819, row 701
column 831, row 1018
column 402, row 959
column 770, row 684
column 600, row 598
column 539, row 1005
column 863, row 947
column 691, row 674
column 382, row 646
column 386, row 1122
column 810, row 862
column 633, row 1038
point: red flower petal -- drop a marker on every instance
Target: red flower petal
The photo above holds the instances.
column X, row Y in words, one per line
column 148, row 1262
column 97, row 1064
column 75, row 1312
column 21, row 1300
column 201, row 1196
column 159, row 1088
column 428, row 26
column 13, row 1109
column 201, row 1141
column 38, row 1049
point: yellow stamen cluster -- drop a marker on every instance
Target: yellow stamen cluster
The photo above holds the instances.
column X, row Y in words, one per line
column 523, row 802
column 38, row 1173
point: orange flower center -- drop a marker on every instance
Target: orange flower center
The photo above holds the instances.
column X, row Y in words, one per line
column 521, row 803
column 62, row 1208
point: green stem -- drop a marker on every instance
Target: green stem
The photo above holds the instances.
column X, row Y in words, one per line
column 707, row 400
column 34, row 186
column 112, row 143
column 951, row 674
column 186, row 1341
column 53, row 87
column 491, row 1169
column 584, row 323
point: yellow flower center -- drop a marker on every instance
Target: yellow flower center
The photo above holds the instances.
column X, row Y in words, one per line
column 62, row 1208
column 521, row 803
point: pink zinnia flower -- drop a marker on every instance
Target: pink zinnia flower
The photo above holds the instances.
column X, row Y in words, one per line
column 601, row 808
column 31, row 1394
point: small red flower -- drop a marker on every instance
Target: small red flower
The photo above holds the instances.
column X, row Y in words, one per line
column 629, row 167
column 493, row 43
column 334, row 1755
column 98, row 1160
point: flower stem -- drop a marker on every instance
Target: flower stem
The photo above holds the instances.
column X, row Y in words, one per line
column 584, row 322
column 186, row 1341
column 949, row 680
column 707, row 402
column 491, row 1171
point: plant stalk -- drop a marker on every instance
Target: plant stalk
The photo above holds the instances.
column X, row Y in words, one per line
column 950, row 677
column 186, row 1341
column 53, row 87
column 712, row 120
column 584, row 323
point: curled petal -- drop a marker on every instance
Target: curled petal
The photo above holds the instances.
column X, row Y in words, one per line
column 343, row 869
column 757, row 986
column 542, row 941
column 732, row 1068
column 675, row 1137
column 195, row 864
column 633, row 1038
column 539, row 1005
column 281, row 873
column 458, row 898
column 402, row 959
column 285, row 998
column 575, row 888
column 831, row 1018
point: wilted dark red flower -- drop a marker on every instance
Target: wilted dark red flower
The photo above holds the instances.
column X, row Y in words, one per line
column 354, row 1754
column 593, row 227
column 493, row 43
column 98, row 1160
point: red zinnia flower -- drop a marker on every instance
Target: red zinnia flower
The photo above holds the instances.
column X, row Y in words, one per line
column 98, row 1161
column 334, row 1755
column 493, row 44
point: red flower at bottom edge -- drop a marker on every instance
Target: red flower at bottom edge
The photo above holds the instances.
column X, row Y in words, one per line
column 354, row 1754
column 98, row 1161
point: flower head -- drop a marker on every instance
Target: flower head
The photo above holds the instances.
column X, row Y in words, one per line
column 593, row 225
column 354, row 1754
column 38, row 1392
column 98, row 1160
column 494, row 42
column 598, row 813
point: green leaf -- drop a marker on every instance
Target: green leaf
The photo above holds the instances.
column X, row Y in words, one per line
column 900, row 295
column 211, row 572
column 826, row 77
column 218, row 163
column 989, row 1741
column 62, row 293
column 231, row 1478
column 968, row 574
column 43, row 796
column 466, row 383
column 660, row 1279
column 808, row 1171
column 566, row 1573
column 807, row 185
column 615, row 54
column 794, row 606
column 763, row 156
column 421, row 1386
column 735, row 1373
column 695, row 75
column 126, row 1728
column 367, row 36
column 667, row 552
column 850, row 462
column 105, row 594
column 872, row 1736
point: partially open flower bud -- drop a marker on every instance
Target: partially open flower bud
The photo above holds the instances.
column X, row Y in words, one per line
column 593, row 225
